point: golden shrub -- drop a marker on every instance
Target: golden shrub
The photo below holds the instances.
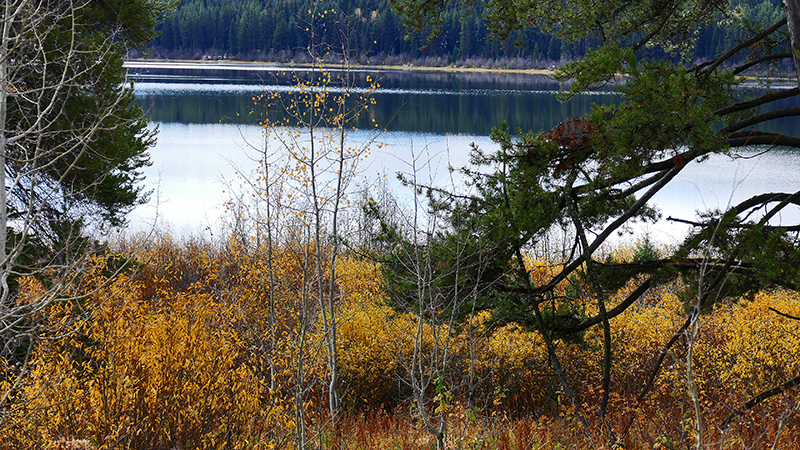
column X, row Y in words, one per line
column 167, row 371
column 182, row 353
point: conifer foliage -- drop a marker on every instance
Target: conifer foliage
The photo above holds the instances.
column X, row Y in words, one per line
column 591, row 177
column 276, row 31
column 72, row 143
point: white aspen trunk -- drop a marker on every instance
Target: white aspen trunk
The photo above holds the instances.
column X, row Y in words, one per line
column 4, row 85
column 273, row 335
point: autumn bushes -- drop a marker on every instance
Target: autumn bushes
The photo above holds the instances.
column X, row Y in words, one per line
column 148, row 367
column 190, row 349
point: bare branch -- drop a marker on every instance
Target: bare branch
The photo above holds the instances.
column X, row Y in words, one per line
column 771, row 139
column 781, row 388
column 783, row 314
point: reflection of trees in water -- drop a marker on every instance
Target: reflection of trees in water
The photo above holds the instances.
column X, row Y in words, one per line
column 430, row 102
column 388, row 78
column 465, row 80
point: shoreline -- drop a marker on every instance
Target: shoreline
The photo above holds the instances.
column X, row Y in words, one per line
column 781, row 82
column 274, row 67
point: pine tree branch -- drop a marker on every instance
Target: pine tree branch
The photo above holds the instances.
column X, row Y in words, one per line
column 761, row 138
column 771, row 115
column 758, row 61
column 758, row 101
column 741, row 46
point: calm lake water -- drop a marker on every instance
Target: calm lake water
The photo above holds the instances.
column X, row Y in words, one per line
column 208, row 124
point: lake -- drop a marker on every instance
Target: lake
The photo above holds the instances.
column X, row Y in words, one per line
column 208, row 123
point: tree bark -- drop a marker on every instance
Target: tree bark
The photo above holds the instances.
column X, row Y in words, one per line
column 4, row 85
column 793, row 20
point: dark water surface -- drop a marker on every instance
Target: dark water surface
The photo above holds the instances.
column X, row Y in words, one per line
column 418, row 102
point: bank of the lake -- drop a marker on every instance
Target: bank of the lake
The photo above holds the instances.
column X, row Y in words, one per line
column 230, row 64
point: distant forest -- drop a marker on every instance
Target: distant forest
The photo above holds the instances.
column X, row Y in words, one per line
column 281, row 30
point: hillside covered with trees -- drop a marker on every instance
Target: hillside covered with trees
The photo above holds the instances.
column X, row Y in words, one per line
column 277, row 31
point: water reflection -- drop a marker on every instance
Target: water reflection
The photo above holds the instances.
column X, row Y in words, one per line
column 193, row 165
column 389, row 78
column 443, row 103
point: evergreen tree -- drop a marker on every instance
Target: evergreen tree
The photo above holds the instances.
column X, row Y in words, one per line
column 247, row 26
column 72, row 140
column 592, row 176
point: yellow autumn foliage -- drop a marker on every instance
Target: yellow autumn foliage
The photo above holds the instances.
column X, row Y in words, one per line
column 151, row 373
column 180, row 353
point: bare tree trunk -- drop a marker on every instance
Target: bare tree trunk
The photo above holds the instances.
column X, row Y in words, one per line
column 601, row 306
column 52, row 54
column 304, row 322
column 4, row 86
column 273, row 334
column 793, row 21
column 690, row 380
column 691, row 339
column 428, row 366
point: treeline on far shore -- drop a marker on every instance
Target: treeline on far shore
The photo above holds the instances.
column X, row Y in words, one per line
column 372, row 33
